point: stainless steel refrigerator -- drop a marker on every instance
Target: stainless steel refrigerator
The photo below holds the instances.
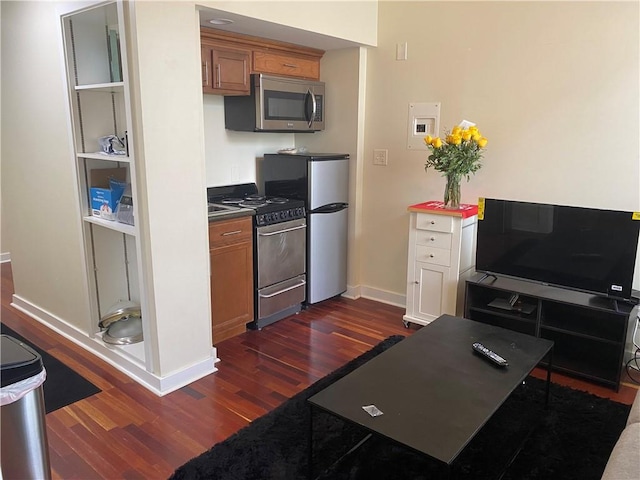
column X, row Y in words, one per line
column 322, row 181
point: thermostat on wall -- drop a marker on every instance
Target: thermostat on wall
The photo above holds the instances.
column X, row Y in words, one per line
column 424, row 119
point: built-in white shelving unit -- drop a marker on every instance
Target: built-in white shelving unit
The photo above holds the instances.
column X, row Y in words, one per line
column 95, row 55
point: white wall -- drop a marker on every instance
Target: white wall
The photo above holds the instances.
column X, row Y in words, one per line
column 553, row 85
column 40, row 212
column 169, row 149
column 233, row 157
column 353, row 20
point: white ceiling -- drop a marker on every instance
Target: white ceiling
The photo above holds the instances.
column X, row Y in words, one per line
column 273, row 31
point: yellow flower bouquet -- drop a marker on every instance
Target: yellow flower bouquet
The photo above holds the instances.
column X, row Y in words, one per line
column 459, row 155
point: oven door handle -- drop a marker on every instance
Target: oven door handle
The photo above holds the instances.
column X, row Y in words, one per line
column 302, row 283
column 278, row 232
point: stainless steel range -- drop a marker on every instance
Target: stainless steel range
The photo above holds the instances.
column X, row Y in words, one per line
column 279, row 249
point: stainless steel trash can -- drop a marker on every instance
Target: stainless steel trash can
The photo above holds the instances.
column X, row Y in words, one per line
column 24, row 446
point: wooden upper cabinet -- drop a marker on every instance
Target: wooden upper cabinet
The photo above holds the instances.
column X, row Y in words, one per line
column 228, row 59
column 286, row 65
column 225, row 70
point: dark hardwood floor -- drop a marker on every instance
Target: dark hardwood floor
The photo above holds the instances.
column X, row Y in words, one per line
column 125, row 431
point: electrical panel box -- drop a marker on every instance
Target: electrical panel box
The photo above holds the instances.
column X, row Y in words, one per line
column 424, row 119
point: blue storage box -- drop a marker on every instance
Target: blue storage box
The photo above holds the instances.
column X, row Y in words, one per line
column 107, row 186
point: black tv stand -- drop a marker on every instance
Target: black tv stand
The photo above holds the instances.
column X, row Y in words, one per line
column 589, row 331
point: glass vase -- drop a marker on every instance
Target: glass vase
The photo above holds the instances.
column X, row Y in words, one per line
column 452, row 192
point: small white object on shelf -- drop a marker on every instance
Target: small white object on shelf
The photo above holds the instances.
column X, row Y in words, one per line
column 294, row 150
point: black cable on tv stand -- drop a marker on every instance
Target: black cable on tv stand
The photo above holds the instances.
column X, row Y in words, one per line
column 487, row 275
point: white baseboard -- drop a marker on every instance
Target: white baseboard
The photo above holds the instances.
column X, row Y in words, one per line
column 382, row 296
column 5, row 257
column 128, row 365
column 352, row 293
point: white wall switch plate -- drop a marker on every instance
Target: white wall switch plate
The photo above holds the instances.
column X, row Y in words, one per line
column 401, row 51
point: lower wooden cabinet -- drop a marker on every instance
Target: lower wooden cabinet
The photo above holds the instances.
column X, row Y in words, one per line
column 231, row 257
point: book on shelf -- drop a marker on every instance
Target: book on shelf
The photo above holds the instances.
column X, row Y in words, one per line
column 113, row 42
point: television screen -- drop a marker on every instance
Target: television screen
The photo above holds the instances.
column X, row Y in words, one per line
column 585, row 249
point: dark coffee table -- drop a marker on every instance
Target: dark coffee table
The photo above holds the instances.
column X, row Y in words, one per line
column 434, row 391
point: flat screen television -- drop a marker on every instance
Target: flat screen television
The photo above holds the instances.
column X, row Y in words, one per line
column 584, row 249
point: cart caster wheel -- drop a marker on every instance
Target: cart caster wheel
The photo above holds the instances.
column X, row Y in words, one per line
column 405, row 323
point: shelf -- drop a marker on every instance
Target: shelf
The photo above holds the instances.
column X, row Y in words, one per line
column 572, row 333
column 571, row 352
column 591, row 323
column 134, row 351
column 112, row 225
column 104, row 156
column 500, row 319
column 116, row 87
column 482, row 299
column 518, row 317
column 95, row 49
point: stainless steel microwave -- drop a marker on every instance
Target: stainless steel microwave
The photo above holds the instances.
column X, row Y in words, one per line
column 277, row 104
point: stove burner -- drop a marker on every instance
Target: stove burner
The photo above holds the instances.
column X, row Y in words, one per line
column 278, row 200
column 267, row 211
column 253, row 203
column 231, row 201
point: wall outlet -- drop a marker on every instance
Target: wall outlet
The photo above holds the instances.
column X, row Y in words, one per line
column 235, row 173
column 380, row 156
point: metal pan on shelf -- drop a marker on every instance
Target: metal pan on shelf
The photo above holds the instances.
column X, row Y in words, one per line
column 124, row 332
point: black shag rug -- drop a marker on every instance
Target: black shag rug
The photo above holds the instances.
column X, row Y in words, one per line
column 63, row 386
column 572, row 439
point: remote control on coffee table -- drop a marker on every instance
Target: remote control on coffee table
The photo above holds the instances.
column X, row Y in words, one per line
column 489, row 354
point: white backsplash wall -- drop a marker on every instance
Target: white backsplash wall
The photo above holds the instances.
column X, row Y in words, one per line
column 232, row 157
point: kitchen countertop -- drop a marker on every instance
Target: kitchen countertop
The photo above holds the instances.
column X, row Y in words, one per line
column 236, row 212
